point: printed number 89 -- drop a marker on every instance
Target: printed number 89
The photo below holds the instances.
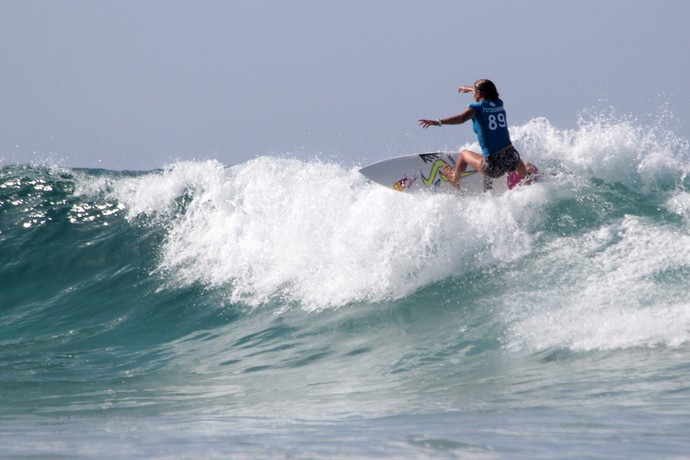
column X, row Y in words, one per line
column 496, row 121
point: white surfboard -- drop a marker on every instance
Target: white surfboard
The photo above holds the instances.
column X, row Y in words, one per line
column 424, row 172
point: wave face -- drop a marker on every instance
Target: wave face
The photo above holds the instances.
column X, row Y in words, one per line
column 296, row 292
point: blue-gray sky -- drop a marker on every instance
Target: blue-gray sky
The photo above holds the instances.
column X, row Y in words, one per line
column 137, row 84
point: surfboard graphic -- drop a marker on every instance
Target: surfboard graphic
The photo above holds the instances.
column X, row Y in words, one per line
column 424, row 172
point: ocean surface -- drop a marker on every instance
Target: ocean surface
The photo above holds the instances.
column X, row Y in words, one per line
column 286, row 308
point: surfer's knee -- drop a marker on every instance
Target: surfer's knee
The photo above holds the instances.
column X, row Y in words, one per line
column 472, row 158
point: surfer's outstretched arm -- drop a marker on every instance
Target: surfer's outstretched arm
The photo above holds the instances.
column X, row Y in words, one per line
column 456, row 120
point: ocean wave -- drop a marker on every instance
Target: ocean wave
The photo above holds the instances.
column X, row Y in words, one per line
column 283, row 234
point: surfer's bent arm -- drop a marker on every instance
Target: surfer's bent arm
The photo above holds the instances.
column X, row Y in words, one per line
column 468, row 114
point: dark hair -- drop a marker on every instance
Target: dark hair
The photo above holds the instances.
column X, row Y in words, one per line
column 486, row 88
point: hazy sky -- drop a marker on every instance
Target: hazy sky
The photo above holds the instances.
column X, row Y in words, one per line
column 137, row 84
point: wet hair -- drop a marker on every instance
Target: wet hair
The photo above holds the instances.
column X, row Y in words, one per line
column 486, row 88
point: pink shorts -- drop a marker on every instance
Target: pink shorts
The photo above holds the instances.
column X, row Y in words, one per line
column 514, row 177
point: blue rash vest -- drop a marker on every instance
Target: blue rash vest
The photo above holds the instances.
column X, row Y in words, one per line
column 491, row 126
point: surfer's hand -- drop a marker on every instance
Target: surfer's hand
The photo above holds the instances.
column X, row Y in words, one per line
column 426, row 123
column 466, row 89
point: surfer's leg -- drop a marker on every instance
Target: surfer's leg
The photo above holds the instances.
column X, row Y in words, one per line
column 466, row 158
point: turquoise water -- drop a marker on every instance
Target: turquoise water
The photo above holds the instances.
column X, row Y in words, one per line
column 287, row 308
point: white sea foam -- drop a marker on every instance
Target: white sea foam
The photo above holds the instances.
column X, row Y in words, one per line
column 622, row 285
column 315, row 234
column 610, row 149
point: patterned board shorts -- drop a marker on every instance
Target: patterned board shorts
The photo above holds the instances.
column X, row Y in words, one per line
column 500, row 163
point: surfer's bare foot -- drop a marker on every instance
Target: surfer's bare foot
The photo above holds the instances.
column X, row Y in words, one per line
column 448, row 172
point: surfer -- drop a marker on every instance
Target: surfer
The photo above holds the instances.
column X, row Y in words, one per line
column 488, row 116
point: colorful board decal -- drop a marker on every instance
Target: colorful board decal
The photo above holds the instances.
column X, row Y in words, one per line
column 424, row 172
column 404, row 183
